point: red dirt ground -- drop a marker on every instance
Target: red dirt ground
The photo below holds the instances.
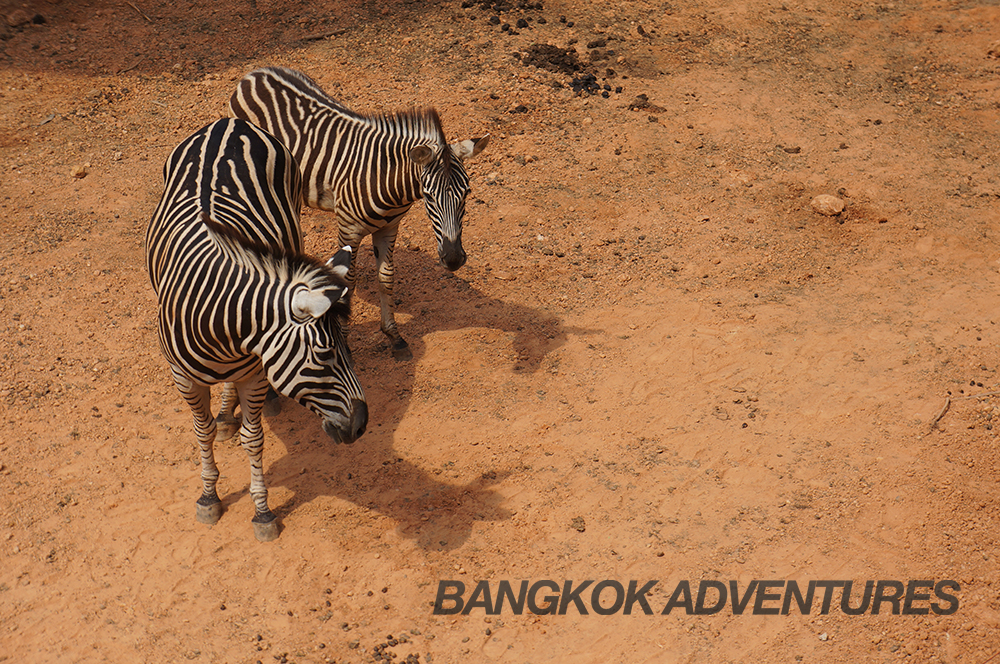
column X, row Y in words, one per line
column 658, row 364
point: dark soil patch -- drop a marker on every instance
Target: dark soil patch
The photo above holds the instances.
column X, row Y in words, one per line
column 552, row 58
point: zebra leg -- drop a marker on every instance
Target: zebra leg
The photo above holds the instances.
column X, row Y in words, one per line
column 226, row 422
column 383, row 242
column 208, row 509
column 252, row 393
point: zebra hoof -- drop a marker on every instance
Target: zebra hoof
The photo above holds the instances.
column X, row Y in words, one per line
column 265, row 527
column 401, row 351
column 226, row 427
column 208, row 510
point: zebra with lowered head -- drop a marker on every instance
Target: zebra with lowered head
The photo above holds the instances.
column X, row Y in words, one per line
column 239, row 303
column 369, row 170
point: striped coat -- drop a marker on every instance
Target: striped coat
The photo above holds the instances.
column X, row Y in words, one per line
column 368, row 170
column 238, row 302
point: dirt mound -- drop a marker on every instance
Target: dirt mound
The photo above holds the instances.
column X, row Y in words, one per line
column 552, row 58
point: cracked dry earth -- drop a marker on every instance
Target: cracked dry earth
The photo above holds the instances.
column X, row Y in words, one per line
column 660, row 363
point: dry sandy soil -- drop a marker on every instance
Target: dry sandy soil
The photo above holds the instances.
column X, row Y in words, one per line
column 658, row 364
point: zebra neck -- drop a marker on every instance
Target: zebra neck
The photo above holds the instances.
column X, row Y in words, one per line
column 378, row 183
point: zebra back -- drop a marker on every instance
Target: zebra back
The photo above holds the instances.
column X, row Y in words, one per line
column 241, row 177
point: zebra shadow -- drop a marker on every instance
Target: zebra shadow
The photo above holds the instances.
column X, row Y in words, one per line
column 424, row 500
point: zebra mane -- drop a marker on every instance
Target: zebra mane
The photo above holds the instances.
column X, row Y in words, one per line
column 424, row 122
column 286, row 265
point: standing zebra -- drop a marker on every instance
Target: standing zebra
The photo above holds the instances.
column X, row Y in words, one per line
column 238, row 301
column 369, row 170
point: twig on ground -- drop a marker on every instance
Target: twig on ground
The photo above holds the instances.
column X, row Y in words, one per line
column 141, row 13
column 944, row 409
column 949, row 399
column 324, row 35
column 981, row 394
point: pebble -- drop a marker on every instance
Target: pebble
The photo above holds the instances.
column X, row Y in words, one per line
column 80, row 171
column 20, row 17
column 827, row 205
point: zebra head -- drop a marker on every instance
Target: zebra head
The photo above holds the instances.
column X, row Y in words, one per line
column 445, row 185
column 311, row 362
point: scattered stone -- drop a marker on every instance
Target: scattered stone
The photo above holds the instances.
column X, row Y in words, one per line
column 586, row 83
column 19, row 18
column 80, row 171
column 827, row 205
column 641, row 103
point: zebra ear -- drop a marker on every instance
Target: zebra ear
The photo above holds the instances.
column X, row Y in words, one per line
column 340, row 263
column 338, row 294
column 310, row 303
column 471, row 147
column 421, row 155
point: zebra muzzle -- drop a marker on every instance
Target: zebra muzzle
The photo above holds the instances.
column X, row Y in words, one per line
column 452, row 254
column 352, row 428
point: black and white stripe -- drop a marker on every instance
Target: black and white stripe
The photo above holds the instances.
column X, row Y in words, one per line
column 238, row 301
column 369, row 170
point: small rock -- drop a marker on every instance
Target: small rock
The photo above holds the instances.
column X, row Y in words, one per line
column 503, row 276
column 993, row 51
column 828, row 205
column 80, row 171
column 578, row 524
column 18, row 17
column 824, row 637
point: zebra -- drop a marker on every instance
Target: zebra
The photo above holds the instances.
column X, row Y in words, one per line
column 238, row 302
column 368, row 169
